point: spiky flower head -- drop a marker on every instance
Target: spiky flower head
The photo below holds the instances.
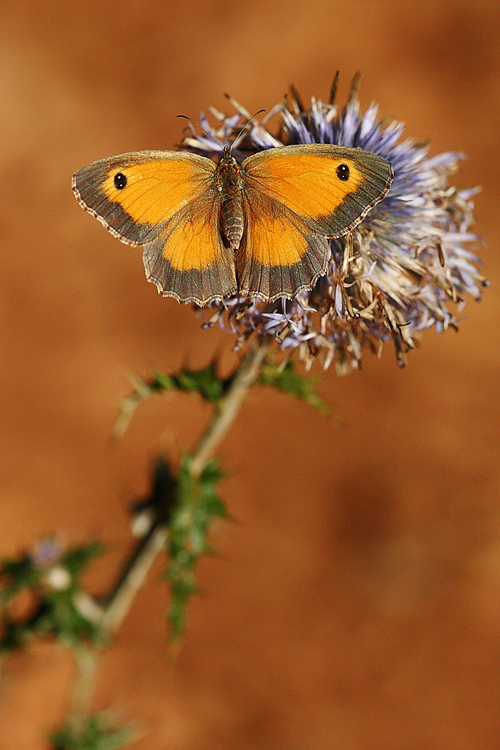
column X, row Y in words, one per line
column 401, row 270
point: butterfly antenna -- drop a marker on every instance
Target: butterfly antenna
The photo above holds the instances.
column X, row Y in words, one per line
column 209, row 135
column 245, row 126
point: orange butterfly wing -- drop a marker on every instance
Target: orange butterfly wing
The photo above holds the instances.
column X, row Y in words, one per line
column 279, row 255
column 188, row 260
column 166, row 201
column 296, row 199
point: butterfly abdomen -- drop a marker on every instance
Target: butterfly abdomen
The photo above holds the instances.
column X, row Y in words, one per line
column 232, row 223
column 231, row 209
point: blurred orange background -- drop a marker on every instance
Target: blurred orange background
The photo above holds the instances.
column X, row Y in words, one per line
column 356, row 600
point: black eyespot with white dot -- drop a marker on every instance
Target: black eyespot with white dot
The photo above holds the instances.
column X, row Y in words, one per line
column 120, row 180
column 343, row 172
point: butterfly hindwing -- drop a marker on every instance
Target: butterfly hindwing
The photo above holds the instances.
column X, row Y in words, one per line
column 279, row 254
column 188, row 260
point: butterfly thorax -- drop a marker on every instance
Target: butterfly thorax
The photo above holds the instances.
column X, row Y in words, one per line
column 229, row 185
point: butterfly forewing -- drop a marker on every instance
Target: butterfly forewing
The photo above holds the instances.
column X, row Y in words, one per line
column 134, row 194
column 331, row 187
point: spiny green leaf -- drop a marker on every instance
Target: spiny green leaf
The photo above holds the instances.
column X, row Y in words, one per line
column 206, row 382
column 50, row 576
column 162, row 496
column 16, row 575
column 14, row 636
column 286, row 379
column 97, row 733
column 198, row 504
column 77, row 558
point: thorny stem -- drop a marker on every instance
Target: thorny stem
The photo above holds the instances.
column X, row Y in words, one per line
column 133, row 575
column 136, row 567
column 246, row 375
column 86, row 663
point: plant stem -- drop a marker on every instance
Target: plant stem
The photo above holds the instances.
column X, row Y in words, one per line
column 135, row 569
column 246, row 374
column 86, row 663
column 133, row 575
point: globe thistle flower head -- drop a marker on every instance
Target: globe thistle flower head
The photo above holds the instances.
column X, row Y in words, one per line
column 405, row 268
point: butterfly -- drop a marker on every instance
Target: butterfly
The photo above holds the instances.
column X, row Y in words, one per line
column 260, row 228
